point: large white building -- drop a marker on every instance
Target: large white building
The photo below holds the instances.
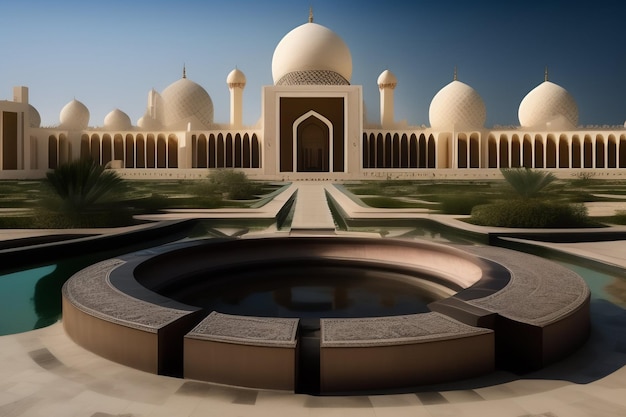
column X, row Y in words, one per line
column 312, row 127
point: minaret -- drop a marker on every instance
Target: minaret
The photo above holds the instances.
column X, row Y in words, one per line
column 386, row 84
column 236, row 81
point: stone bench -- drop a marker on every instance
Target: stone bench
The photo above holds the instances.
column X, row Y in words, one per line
column 258, row 352
column 540, row 316
column 401, row 351
column 141, row 333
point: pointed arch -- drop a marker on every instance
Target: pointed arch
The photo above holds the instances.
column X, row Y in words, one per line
column 245, row 151
column 202, row 152
column 611, row 152
column 107, row 149
column 432, row 152
column 600, row 149
column 413, row 157
column 503, row 151
column 151, row 151
column 516, row 152
column 422, row 152
column 551, row 151
column 564, row 152
column 220, row 151
column 129, row 145
column 577, row 152
column 462, row 151
column 140, row 146
column 172, row 151
column 312, row 148
column 94, row 147
column 492, row 151
column 212, row 151
column 118, row 148
column 404, row 151
column 256, row 152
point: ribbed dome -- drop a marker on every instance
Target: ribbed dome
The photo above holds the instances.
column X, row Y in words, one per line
column 548, row 105
column 387, row 79
column 117, row 120
column 184, row 102
column 74, row 116
column 34, row 118
column 457, row 106
column 236, row 78
column 311, row 54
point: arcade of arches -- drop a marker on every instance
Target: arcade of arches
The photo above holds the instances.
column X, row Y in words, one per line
column 159, row 150
column 316, row 149
column 567, row 150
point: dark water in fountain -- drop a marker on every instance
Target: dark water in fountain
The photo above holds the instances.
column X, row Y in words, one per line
column 308, row 291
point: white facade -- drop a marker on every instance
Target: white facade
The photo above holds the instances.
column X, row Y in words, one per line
column 312, row 127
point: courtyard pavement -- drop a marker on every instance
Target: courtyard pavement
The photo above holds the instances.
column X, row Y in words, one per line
column 43, row 373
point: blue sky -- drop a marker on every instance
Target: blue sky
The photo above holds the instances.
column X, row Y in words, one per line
column 109, row 54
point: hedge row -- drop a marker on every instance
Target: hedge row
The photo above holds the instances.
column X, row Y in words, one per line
column 530, row 213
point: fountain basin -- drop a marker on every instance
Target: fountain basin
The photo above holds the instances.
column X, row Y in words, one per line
column 494, row 312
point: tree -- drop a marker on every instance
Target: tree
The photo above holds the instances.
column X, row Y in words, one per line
column 81, row 183
column 526, row 182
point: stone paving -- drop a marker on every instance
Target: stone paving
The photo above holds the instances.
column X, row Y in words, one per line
column 43, row 373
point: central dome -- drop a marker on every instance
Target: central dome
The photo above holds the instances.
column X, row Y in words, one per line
column 312, row 54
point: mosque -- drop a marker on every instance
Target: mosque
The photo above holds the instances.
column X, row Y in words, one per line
column 313, row 126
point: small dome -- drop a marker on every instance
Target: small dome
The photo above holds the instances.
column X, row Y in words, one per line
column 387, row 79
column 117, row 120
column 236, row 78
column 74, row 116
column 34, row 118
column 311, row 54
column 457, row 106
column 187, row 102
column 548, row 105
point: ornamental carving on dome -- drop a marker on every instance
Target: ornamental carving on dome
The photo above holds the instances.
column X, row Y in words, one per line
column 312, row 77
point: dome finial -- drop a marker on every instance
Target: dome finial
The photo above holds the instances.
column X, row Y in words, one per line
column 311, row 14
column 455, row 77
column 184, row 71
column 545, row 74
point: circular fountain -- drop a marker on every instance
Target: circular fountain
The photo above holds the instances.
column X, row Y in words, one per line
column 327, row 314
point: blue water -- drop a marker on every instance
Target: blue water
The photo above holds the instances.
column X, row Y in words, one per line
column 18, row 312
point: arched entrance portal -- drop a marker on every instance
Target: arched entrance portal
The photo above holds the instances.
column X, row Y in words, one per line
column 313, row 135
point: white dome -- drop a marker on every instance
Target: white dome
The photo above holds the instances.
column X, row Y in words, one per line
column 387, row 79
column 312, row 54
column 34, row 118
column 187, row 102
column 236, row 78
column 117, row 120
column 546, row 105
column 74, row 116
column 457, row 106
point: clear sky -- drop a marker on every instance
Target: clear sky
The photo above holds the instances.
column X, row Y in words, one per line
column 109, row 54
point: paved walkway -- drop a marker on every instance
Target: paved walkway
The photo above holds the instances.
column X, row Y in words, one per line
column 312, row 211
column 43, row 373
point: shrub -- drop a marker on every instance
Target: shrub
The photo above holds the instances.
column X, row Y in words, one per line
column 530, row 213
column 80, row 184
column 234, row 185
column 526, row 182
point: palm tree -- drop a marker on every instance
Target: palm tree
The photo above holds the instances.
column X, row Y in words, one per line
column 81, row 183
column 526, row 182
